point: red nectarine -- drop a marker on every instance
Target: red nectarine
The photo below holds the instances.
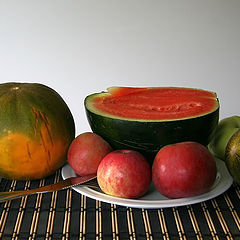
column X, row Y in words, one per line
column 124, row 173
column 86, row 152
column 183, row 170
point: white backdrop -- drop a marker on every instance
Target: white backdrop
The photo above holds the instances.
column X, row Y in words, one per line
column 80, row 47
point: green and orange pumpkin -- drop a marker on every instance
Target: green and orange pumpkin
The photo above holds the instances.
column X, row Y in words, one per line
column 36, row 129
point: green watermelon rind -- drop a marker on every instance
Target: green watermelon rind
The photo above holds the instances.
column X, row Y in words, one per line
column 148, row 136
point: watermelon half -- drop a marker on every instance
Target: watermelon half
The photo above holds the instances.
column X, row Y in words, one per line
column 146, row 119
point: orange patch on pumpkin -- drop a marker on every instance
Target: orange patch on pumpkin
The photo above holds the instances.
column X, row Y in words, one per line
column 28, row 158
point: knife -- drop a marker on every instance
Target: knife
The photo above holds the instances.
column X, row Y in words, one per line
column 64, row 184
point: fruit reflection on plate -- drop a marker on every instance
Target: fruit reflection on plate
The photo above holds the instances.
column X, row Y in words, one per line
column 153, row 199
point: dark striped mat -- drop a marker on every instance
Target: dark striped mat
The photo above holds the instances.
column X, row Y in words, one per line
column 68, row 215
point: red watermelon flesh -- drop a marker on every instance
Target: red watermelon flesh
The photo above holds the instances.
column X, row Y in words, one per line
column 164, row 103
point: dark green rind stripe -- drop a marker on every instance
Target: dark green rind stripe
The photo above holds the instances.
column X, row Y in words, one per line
column 149, row 137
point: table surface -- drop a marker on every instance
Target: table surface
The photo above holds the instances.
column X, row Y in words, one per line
column 67, row 214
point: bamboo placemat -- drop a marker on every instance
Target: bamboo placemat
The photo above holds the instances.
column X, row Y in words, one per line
column 68, row 215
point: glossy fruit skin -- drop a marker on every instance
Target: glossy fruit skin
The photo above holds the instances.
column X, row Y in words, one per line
column 37, row 128
column 183, row 170
column 232, row 156
column 147, row 137
column 124, row 173
column 225, row 130
column 86, row 152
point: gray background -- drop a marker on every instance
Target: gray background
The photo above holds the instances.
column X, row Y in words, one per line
column 81, row 47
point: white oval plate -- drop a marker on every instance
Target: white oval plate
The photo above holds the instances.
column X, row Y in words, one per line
column 153, row 199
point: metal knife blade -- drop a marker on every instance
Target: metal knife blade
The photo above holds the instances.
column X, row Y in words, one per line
column 69, row 182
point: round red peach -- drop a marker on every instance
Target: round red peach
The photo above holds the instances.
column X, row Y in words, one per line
column 183, row 170
column 86, row 152
column 124, row 173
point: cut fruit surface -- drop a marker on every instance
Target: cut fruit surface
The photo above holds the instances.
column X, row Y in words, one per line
column 153, row 103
